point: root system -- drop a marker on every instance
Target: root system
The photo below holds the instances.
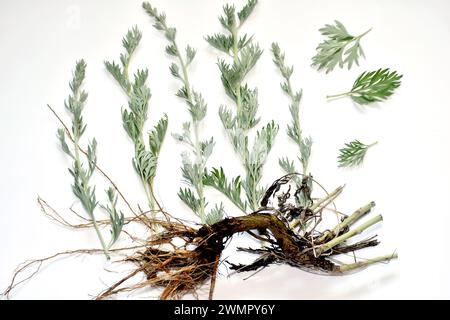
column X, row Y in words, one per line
column 290, row 234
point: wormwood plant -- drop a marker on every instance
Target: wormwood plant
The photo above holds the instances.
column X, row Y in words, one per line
column 294, row 227
column 338, row 49
column 82, row 187
column 243, row 53
column 146, row 145
column 295, row 132
column 193, row 171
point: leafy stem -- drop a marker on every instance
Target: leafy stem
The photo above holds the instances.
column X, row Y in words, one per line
column 81, row 186
column 195, row 121
column 134, row 118
column 244, row 54
column 193, row 173
column 65, row 131
column 235, row 56
column 294, row 130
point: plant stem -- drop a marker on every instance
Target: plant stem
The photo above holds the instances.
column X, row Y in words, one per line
column 95, row 164
column 327, row 200
column 199, row 184
column 102, row 241
column 334, row 96
column 198, row 155
column 361, row 264
column 334, row 242
column 332, row 195
column 151, row 202
column 296, row 102
column 291, row 92
column 90, row 212
column 358, row 214
column 363, row 34
column 148, row 187
column 251, row 195
column 235, row 60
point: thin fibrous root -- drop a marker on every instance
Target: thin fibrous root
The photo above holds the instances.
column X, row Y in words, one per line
column 23, row 267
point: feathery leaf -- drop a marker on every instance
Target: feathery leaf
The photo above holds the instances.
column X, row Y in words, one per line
column 231, row 189
column 375, row 86
column 353, row 153
column 157, row 135
column 340, row 48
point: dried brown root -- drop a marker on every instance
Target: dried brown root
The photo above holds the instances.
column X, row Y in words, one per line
column 182, row 271
column 184, row 268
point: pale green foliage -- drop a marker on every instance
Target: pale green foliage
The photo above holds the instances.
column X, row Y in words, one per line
column 76, row 100
column 61, row 134
column 294, row 130
column 82, row 188
column 232, row 189
column 254, row 162
column 92, row 155
column 193, row 170
column 233, row 75
column 130, row 42
column 190, row 54
column 116, row 217
column 287, row 165
column 244, row 54
column 338, row 49
column 375, row 86
column 145, row 163
column 353, row 153
column 247, row 10
column 75, row 105
column 215, row 214
column 193, row 202
column 82, row 173
column 134, row 118
column 157, row 135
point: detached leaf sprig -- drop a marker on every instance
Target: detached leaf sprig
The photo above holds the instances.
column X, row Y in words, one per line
column 353, row 153
column 82, row 187
column 372, row 86
column 193, row 170
column 145, row 159
column 338, row 49
column 244, row 54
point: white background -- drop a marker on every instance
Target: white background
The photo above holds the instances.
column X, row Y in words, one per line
column 407, row 173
